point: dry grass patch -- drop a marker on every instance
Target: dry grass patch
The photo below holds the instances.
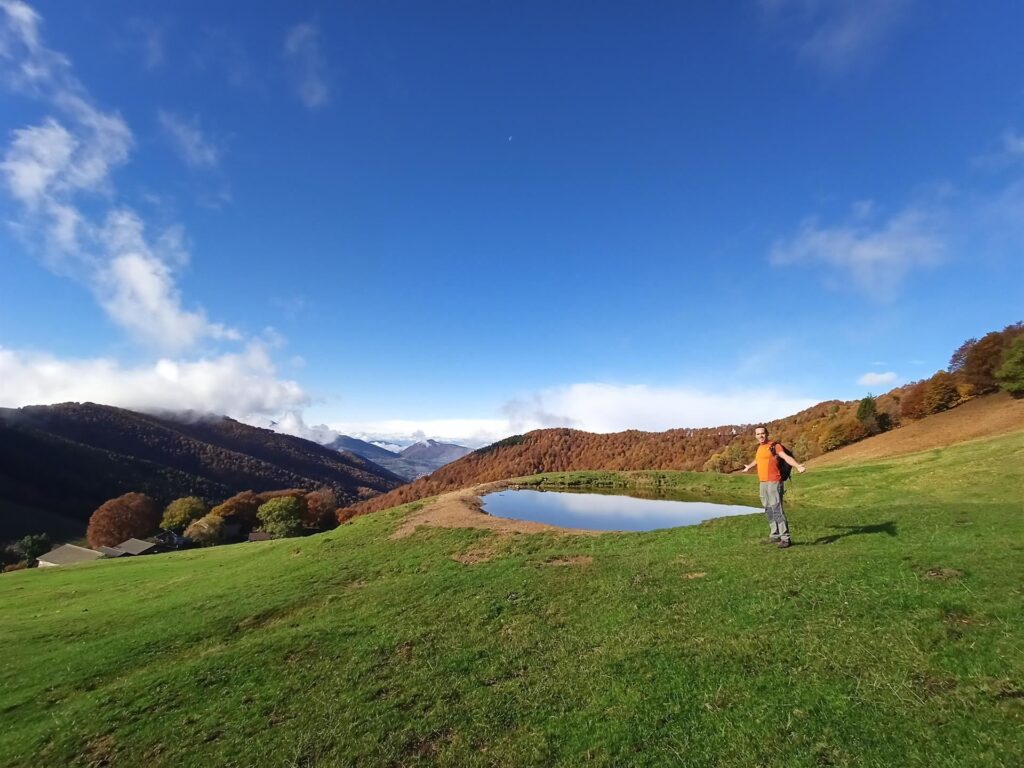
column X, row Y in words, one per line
column 942, row 574
column 982, row 417
column 570, row 560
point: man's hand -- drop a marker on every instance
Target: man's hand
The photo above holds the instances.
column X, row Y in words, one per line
column 801, row 468
column 745, row 468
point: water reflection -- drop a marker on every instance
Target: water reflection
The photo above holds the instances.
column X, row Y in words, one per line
column 604, row 512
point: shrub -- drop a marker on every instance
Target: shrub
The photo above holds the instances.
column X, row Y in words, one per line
column 15, row 567
column 834, row 436
column 344, row 514
column 1011, row 373
column 131, row 515
column 282, row 516
column 320, row 506
column 866, row 410
column 180, row 512
column 206, row 531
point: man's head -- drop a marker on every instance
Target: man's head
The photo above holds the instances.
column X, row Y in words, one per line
column 761, row 433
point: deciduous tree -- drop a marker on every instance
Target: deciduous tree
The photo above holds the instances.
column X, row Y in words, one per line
column 1011, row 373
column 133, row 515
column 180, row 512
column 940, row 393
column 206, row 531
column 241, row 507
column 320, row 507
column 31, row 547
column 282, row 516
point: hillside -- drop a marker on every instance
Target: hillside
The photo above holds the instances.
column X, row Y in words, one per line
column 60, row 462
column 722, row 448
column 890, row 634
column 982, row 417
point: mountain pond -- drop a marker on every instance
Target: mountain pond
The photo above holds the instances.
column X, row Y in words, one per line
column 604, row 511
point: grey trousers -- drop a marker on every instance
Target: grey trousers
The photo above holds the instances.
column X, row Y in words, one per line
column 771, row 500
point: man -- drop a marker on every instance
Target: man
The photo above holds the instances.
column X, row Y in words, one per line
column 772, row 485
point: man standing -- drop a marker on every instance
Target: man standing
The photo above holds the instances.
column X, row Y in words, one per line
column 769, row 453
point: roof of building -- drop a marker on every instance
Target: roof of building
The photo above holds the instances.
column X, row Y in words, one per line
column 260, row 536
column 111, row 551
column 66, row 554
column 135, row 546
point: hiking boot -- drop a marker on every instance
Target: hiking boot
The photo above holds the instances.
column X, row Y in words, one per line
column 771, row 540
column 785, row 543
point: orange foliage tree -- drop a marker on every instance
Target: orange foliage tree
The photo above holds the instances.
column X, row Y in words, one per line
column 241, row 507
column 320, row 508
column 133, row 515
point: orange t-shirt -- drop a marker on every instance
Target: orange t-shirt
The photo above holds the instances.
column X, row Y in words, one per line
column 767, row 465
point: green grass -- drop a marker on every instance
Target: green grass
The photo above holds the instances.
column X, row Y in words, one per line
column 892, row 634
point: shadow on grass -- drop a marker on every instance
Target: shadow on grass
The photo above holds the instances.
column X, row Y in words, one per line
column 889, row 529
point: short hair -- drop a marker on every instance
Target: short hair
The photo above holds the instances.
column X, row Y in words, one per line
column 761, row 426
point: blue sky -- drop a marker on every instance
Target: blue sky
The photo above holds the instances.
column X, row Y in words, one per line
column 472, row 219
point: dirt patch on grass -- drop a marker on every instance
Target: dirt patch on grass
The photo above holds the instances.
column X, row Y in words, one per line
column 982, row 417
column 474, row 556
column 100, row 751
column 695, row 575
column 942, row 574
column 463, row 509
column 570, row 560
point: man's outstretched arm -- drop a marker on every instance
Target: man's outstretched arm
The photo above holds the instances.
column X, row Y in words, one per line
column 789, row 460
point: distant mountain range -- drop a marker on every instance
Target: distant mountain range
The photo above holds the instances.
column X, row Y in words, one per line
column 415, row 461
column 58, row 463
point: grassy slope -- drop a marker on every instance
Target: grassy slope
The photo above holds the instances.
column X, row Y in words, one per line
column 695, row 646
column 980, row 418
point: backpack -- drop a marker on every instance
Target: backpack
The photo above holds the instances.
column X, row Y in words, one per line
column 785, row 470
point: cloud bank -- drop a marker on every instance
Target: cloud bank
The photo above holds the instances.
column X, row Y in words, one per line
column 593, row 407
column 243, row 385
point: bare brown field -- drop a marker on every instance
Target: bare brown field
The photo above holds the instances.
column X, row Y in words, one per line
column 986, row 416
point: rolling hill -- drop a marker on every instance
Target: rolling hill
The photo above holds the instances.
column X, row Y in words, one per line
column 889, row 634
column 58, row 463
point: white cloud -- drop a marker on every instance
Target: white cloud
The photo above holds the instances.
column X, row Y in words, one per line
column 35, row 159
column 837, row 35
column 876, row 260
column 194, row 148
column 242, row 385
column 598, row 407
column 874, row 379
column 48, row 166
column 593, row 407
column 307, row 64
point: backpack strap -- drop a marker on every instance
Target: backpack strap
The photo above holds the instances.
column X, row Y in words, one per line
column 772, row 447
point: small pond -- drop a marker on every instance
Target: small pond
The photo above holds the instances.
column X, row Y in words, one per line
column 604, row 511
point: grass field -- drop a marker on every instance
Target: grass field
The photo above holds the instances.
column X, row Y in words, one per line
column 892, row 634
